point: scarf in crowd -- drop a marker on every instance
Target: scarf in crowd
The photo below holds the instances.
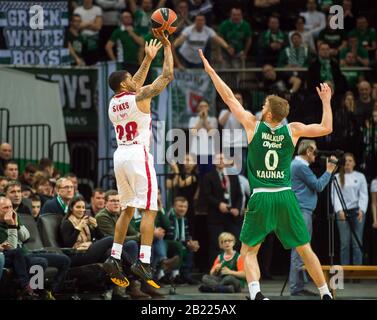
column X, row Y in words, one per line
column 83, row 241
column 62, row 204
column 326, row 72
column 179, row 230
column 297, row 56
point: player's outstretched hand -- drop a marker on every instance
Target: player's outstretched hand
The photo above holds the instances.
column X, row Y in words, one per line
column 207, row 66
column 152, row 48
column 160, row 35
column 325, row 92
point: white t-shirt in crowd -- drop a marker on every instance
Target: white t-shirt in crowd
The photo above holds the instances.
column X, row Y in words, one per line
column 233, row 134
column 373, row 186
column 195, row 40
column 202, row 143
column 88, row 15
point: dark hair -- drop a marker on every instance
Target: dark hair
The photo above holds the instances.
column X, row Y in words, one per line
column 323, row 43
column 71, row 204
column 12, row 183
column 70, row 175
column 30, row 167
column 44, row 163
column 180, row 199
column 300, row 18
column 10, row 162
column 4, row 178
column 110, row 193
column 116, row 78
column 97, row 190
column 35, row 197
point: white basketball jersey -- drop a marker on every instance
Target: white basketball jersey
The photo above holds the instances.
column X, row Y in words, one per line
column 130, row 124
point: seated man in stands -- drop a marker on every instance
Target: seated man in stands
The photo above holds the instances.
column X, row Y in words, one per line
column 59, row 204
column 35, row 206
column 97, row 201
column 178, row 236
column 3, row 182
column 43, row 187
column 13, row 192
column 15, row 233
column 11, row 170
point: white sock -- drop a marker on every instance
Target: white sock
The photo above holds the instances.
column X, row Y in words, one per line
column 116, row 250
column 324, row 290
column 160, row 274
column 254, row 288
column 145, row 254
column 174, row 273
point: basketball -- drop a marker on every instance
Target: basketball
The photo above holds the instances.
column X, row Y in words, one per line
column 164, row 19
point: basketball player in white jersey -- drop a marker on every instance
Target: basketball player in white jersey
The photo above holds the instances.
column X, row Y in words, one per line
column 130, row 113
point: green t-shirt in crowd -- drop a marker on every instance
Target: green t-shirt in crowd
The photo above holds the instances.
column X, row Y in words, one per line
column 129, row 47
column 333, row 37
column 365, row 37
column 235, row 34
column 352, row 77
column 142, row 21
column 77, row 42
column 361, row 52
column 268, row 37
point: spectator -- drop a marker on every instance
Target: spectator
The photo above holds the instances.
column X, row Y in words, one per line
column 11, row 170
column 76, row 41
column 324, row 69
column 234, row 135
column 203, row 139
column 370, row 143
column 263, row 9
column 271, row 42
column 335, row 38
column 307, row 37
column 73, row 178
column 16, row 234
column 296, row 55
column 227, row 274
column 142, row 14
column 129, row 42
column 97, row 201
column 353, row 77
column 306, row 186
column 43, row 187
column 35, row 206
column 27, row 178
column 59, row 204
column 184, row 20
column 374, row 91
column 364, row 104
column 315, row 20
column 26, row 191
column 106, row 220
column 237, row 33
column 3, row 182
column 91, row 24
column 201, row 8
column 354, row 189
column 359, row 52
column 5, row 155
column 46, row 165
column 178, row 236
column 281, row 84
column 13, row 192
column 373, row 195
column 196, row 37
column 349, row 17
column 222, row 193
column 366, row 36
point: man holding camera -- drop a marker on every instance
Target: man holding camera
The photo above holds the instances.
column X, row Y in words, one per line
column 306, row 185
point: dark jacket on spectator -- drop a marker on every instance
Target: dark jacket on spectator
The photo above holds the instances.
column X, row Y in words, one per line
column 314, row 77
column 69, row 233
column 23, row 208
column 52, row 206
column 175, row 228
column 214, row 194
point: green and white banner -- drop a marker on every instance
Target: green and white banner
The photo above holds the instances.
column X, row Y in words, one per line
column 32, row 32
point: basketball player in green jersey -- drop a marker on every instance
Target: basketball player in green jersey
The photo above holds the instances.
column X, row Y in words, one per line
column 273, row 205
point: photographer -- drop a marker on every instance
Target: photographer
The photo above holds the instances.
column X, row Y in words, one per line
column 354, row 189
column 305, row 185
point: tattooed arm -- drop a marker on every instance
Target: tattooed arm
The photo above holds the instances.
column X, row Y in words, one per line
column 146, row 93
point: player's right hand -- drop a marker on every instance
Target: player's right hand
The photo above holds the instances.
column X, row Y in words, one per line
column 152, row 48
column 160, row 35
column 207, row 66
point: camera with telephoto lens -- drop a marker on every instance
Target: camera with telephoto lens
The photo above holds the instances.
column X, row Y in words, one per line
column 326, row 154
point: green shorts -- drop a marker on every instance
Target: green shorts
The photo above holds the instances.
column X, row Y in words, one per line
column 278, row 212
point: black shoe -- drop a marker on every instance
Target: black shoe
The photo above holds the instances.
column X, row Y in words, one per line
column 305, row 293
column 165, row 280
column 144, row 272
column 206, row 289
column 113, row 269
column 258, row 296
column 179, row 280
column 190, row 280
column 327, row 297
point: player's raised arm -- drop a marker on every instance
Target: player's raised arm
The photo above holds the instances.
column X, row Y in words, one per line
column 158, row 85
column 246, row 118
column 317, row 129
column 151, row 50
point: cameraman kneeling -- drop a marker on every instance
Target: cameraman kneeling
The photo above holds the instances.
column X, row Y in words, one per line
column 305, row 185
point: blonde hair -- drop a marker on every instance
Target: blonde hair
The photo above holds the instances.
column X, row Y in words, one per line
column 278, row 106
column 225, row 235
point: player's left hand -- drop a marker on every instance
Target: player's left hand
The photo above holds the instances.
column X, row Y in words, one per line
column 152, row 48
column 325, row 92
column 207, row 66
column 160, row 35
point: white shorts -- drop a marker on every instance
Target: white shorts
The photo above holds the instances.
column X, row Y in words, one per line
column 136, row 177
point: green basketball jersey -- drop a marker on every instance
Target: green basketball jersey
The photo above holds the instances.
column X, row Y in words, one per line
column 269, row 157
